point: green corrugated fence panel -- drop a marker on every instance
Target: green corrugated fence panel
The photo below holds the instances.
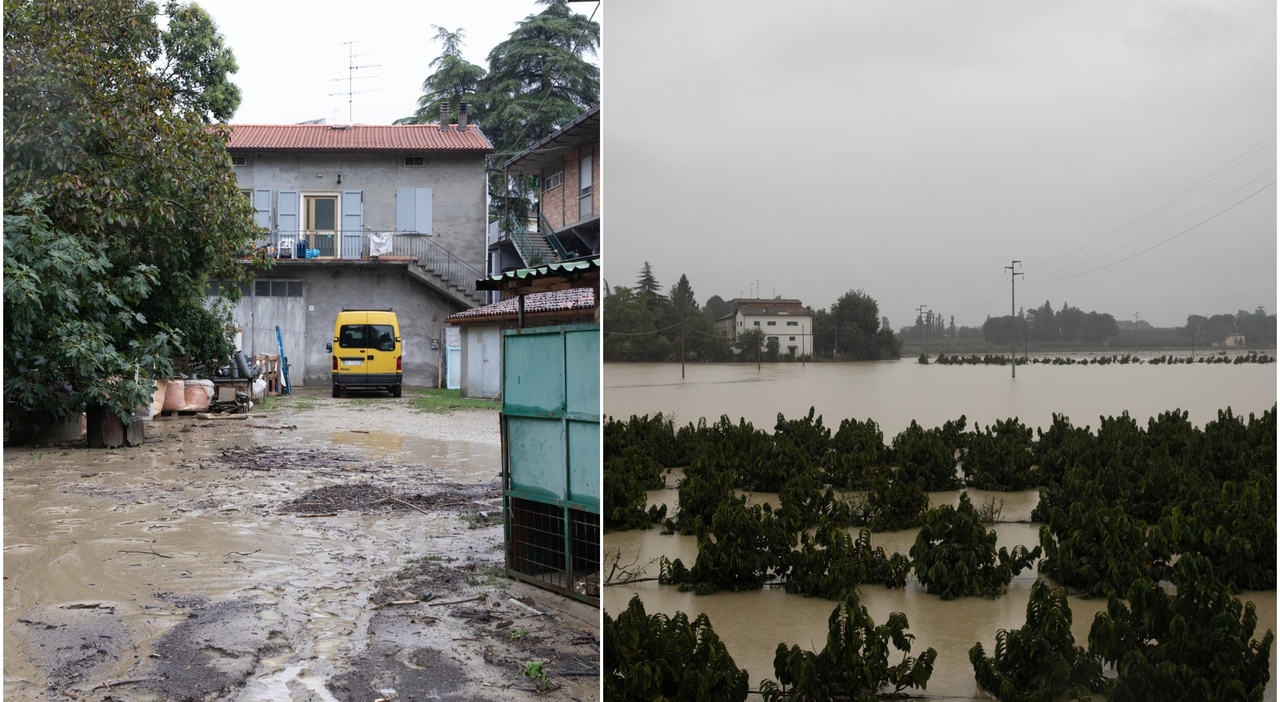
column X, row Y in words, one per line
column 584, row 464
column 533, row 371
column 582, row 351
column 537, row 456
column 551, row 398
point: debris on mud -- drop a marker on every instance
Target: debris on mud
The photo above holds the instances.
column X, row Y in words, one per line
column 367, row 497
column 269, row 458
column 78, row 642
column 213, row 652
column 414, row 654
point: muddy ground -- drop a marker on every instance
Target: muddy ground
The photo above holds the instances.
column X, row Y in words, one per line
column 326, row 549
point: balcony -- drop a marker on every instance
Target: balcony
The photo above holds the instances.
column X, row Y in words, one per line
column 434, row 262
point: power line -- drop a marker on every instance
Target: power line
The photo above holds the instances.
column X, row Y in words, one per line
column 1157, row 231
column 1175, row 236
column 1221, row 171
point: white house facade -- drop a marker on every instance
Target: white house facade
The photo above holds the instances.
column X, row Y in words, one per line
column 790, row 322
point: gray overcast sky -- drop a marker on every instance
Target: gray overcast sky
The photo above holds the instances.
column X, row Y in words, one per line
column 913, row 149
column 290, row 51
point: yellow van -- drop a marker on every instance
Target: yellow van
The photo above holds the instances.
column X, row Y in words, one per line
column 366, row 350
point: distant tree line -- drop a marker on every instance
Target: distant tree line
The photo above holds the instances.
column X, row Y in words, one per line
column 643, row 324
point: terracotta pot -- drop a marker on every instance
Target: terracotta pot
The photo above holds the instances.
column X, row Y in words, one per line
column 175, row 399
column 198, row 394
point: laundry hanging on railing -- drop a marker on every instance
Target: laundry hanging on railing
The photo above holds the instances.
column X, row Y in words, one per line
column 380, row 243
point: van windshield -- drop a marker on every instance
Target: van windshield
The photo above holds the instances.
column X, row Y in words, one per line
column 367, row 336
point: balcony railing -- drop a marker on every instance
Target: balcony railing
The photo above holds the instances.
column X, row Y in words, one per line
column 355, row 246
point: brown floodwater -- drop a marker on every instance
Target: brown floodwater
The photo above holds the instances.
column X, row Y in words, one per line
column 115, row 530
column 752, row 624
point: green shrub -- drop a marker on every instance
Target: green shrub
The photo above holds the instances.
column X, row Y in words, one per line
column 955, row 556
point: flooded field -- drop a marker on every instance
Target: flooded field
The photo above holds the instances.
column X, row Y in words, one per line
column 309, row 553
column 752, row 624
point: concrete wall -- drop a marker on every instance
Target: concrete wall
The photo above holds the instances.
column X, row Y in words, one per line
column 306, row 323
column 457, row 183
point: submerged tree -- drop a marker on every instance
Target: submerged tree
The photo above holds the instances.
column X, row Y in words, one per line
column 1196, row 644
column 955, row 556
column 1039, row 662
column 649, row 657
column 854, row 665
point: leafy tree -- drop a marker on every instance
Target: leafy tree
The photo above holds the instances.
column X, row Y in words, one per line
column 1196, row 644
column 122, row 159
column 73, row 337
column 830, row 563
column 771, row 348
column 539, row 79
column 453, row 79
column 857, row 452
column 195, row 62
column 627, row 476
column 854, row 665
column 1093, row 546
column 924, row 454
column 1039, row 662
column 859, row 332
column 750, row 344
column 955, row 556
column 650, row 657
column 716, row 308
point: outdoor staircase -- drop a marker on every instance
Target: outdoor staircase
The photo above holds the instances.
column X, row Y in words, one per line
column 440, row 270
column 537, row 247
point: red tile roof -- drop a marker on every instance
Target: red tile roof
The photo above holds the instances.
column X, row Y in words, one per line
column 771, row 307
column 358, row 137
column 573, row 300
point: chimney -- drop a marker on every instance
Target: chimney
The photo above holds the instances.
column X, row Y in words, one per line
column 444, row 115
column 462, row 116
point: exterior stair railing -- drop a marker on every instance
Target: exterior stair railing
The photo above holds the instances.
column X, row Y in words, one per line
column 556, row 245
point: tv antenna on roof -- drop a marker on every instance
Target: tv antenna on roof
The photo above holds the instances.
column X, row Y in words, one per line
column 352, row 77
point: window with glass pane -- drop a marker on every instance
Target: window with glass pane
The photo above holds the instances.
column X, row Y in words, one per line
column 353, row 336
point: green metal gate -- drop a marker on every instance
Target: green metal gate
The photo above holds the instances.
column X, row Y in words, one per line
column 551, row 457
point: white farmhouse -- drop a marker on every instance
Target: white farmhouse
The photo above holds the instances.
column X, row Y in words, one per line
column 788, row 321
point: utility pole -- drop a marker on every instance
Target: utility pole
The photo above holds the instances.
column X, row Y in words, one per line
column 682, row 350
column 923, row 323
column 1013, row 337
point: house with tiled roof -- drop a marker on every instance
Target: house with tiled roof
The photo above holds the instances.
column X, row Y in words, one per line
column 362, row 216
column 789, row 322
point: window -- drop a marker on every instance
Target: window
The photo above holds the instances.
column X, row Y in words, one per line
column 792, row 324
column 247, row 194
column 553, row 180
column 276, row 288
column 773, row 324
column 756, row 323
column 791, row 339
column 415, row 160
column 320, row 213
column 239, row 160
column 367, row 336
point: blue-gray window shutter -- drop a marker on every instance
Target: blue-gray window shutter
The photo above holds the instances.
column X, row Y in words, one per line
column 262, row 208
column 413, row 210
column 422, row 210
column 287, row 211
column 404, row 209
column 352, row 211
column 352, row 221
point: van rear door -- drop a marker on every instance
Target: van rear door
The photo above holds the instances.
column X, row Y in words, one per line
column 352, row 349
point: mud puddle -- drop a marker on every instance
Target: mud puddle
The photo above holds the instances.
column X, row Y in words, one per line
column 267, row 561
